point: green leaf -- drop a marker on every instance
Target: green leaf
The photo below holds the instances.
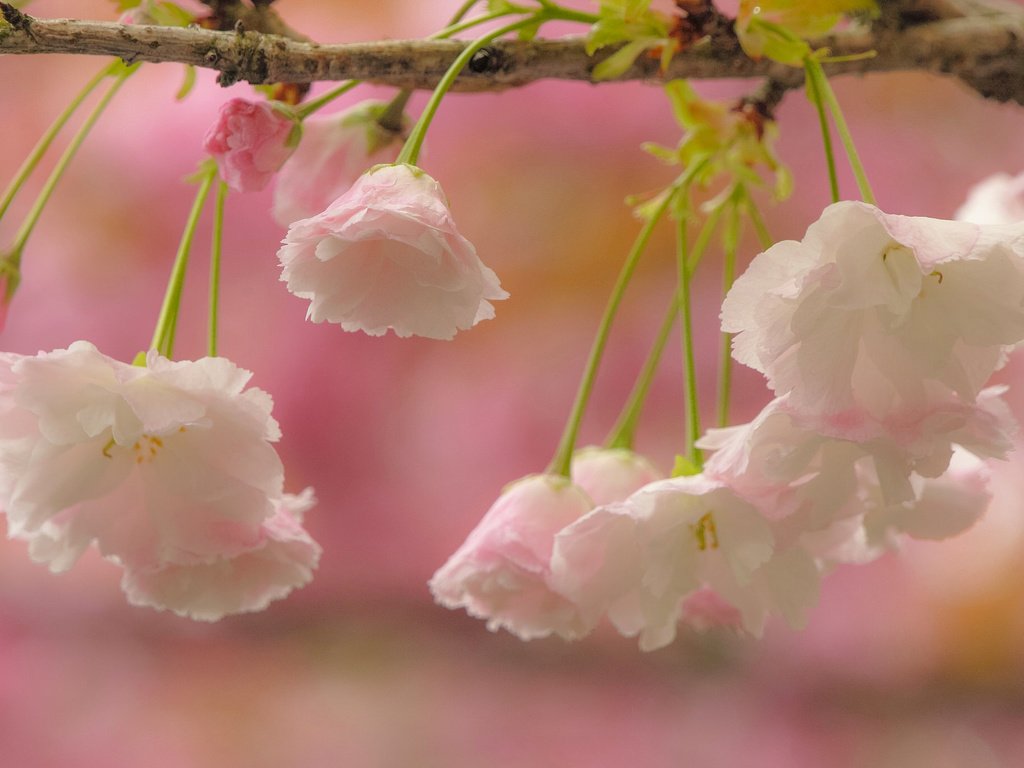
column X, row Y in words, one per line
column 529, row 32
column 620, row 61
column 170, row 15
column 186, row 84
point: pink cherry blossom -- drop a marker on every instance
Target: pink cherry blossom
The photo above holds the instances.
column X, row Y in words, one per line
column 874, row 316
column 999, row 199
column 502, row 572
column 333, row 153
column 250, row 141
column 282, row 558
column 386, row 255
column 651, row 560
column 608, row 475
column 167, row 464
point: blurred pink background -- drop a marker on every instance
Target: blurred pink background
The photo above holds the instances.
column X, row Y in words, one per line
column 914, row 661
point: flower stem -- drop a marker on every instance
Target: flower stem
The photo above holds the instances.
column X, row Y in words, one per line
column 455, row 26
column 461, row 26
column 47, row 139
column 754, row 214
column 68, row 155
column 215, row 253
column 163, row 335
column 392, row 118
column 623, row 433
column 700, row 245
column 692, row 453
column 411, row 151
column 561, row 464
column 464, row 9
column 323, row 100
column 731, row 239
column 815, row 96
column 829, row 97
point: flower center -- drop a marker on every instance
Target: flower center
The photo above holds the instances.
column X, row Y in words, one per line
column 705, row 532
column 144, row 450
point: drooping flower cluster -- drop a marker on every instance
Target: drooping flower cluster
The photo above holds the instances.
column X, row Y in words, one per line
column 167, row 469
column 878, row 334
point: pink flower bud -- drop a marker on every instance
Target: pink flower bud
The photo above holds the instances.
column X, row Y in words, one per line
column 609, row 475
column 334, row 152
column 250, row 141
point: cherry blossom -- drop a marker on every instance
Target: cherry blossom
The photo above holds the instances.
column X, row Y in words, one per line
column 502, row 573
column 386, row 255
column 999, row 199
column 874, row 316
column 608, row 475
column 688, row 546
column 282, row 558
column 167, row 464
column 333, row 152
column 250, row 141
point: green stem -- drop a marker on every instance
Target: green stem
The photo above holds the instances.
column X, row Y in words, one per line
column 731, row 240
column 754, row 214
column 465, row 8
column 815, row 96
column 411, row 151
column 47, row 139
column 700, row 245
column 830, row 99
column 65, row 159
column 561, row 464
column 622, row 434
column 454, row 27
column 568, row 14
column 692, row 453
column 163, row 335
column 624, row 431
column 393, row 116
column 323, row 100
column 215, row 253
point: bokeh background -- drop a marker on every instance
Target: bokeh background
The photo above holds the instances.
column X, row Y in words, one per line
column 915, row 661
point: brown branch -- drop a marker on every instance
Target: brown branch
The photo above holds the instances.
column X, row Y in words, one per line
column 985, row 51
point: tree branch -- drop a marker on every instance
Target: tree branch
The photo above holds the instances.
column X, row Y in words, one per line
column 985, row 51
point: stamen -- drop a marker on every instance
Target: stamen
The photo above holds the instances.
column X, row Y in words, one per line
column 706, row 532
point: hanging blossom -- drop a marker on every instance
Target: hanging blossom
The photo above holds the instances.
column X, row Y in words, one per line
column 872, row 317
column 999, row 199
column 776, row 505
column 845, row 501
column 608, row 475
column 502, row 573
column 334, row 152
column 688, row 548
column 282, row 558
column 250, row 141
column 167, row 469
column 386, row 255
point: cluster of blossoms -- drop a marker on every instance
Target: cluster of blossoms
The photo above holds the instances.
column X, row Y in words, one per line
column 878, row 334
column 167, row 468
column 374, row 250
